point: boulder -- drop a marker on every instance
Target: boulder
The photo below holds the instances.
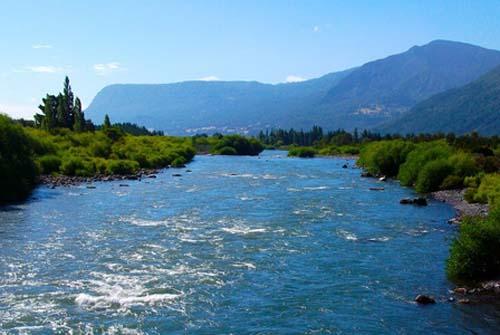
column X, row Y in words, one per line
column 344, row 166
column 420, row 201
column 383, row 178
column 424, row 299
column 406, row 201
column 176, row 175
column 460, row 290
column 376, row 188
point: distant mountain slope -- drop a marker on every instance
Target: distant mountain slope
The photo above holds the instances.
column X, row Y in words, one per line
column 363, row 97
column 475, row 106
column 383, row 89
column 215, row 104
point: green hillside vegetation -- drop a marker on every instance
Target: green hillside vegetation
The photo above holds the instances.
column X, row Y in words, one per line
column 475, row 106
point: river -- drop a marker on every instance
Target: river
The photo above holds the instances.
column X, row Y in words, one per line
column 259, row 245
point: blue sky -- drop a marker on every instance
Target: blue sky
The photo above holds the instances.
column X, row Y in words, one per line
column 98, row 43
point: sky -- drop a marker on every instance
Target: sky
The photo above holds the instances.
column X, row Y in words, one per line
column 97, row 43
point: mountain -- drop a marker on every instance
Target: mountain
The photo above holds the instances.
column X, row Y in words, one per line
column 199, row 106
column 363, row 97
column 475, row 106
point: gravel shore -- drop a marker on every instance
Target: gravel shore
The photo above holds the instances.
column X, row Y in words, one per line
column 463, row 208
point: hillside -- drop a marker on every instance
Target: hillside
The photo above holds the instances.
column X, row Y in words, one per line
column 475, row 106
column 363, row 97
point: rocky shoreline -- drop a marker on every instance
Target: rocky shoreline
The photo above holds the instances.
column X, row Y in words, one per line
column 463, row 208
column 54, row 181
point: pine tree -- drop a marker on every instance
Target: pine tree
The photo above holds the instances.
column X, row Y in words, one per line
column 107, row 122
column 68, row 103
column 78, row 116
column 60, row 112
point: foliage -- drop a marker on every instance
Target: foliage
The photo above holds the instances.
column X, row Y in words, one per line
column 18, row 170
column 474, row 253
column 302, row 152
column 62, row 111
column 227, row 145
column 487, row 191
column 432, row 175
column 419, row 157
column 87, row 153
column 385, row 157
column 452, row 182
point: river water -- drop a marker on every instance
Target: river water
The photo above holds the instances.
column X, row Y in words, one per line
column 240, row 245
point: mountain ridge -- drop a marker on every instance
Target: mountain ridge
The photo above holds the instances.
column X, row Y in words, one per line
column 364, row 97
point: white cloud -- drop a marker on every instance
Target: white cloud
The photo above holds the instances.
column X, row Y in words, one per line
column 294, row 79
column 209, row 78
column 107, row 68
column 41, row 46
column 316, row 29
column 43, row 69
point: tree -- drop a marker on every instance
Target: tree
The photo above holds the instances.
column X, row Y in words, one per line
column 107, row 122
column 78, row 116
column 68, row 103
column 60, row 112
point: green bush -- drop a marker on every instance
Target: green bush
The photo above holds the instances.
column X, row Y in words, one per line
column 76, row 166
column 432, row 175
column 419, row 157
column 463, row 164
column 179, row 162
column 489, row 190
column 452, row 182
column 241, row 145
column 474, row 253
column 384, row 157
column 228, row 151
column 18, row 170
column 122, row 167
column 302, row 152
column 49, row 164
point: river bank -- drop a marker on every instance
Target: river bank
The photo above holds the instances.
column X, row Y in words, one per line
column 462, row 207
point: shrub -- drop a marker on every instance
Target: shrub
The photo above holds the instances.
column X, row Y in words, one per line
column 419, row 157
column 302, row 152
column 49, row 164
column 432, row 175
column 18, row 169
column 489, row 190
column 452, row 182
column 463, row 164
column 179, row 162
column 474, row 253
column 385, row 157
column 76, row 166
column 240, row 144
column 226, row 151
column 122, row 167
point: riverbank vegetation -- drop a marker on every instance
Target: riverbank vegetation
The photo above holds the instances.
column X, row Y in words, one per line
column 18, row 169
column 230, row 145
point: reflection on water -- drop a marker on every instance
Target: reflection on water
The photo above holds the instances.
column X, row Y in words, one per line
column 240, row 245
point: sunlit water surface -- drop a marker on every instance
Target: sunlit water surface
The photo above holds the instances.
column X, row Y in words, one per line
column 261, row 245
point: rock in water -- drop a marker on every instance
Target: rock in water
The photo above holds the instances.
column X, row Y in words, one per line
column 383, row 178
column 344, row 166
column 420, row 201
column 424, row 299
column 376, row 188
column 406, row 201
